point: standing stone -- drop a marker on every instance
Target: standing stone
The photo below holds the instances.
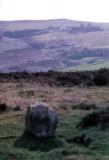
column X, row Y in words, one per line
column 41, row 120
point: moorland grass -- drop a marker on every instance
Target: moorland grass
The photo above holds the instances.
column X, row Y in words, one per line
column 12, row 123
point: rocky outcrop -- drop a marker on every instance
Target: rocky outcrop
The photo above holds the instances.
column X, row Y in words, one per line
column 41, row 120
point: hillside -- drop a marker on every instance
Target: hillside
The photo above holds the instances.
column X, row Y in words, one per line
column 51, row 44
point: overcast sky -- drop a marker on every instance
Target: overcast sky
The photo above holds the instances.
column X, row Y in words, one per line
column 85, row 10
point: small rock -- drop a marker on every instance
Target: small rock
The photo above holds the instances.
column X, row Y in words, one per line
column 41, row 120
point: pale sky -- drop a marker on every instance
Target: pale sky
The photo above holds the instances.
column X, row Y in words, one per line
column 84, row 10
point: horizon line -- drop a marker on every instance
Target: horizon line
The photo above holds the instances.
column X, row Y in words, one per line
column 87, row 21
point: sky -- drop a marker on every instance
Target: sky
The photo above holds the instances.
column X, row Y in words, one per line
column 84, row 10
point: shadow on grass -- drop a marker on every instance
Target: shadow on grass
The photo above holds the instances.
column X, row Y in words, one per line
column 31, row 143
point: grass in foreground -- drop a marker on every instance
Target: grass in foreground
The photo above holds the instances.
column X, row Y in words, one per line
column 66, row 102
column 12, row 127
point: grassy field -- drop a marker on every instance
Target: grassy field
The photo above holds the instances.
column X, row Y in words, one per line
column 63, row 100
column 12, row 126
column 89, row 67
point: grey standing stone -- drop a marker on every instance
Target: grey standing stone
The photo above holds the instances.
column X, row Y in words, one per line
column 41, row 120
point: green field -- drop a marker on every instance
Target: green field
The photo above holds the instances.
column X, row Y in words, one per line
column 89, row 67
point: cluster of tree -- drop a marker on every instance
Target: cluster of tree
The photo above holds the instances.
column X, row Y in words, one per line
column 84, row 28
column 81, row 53
column 68, row 79
column 24, row 33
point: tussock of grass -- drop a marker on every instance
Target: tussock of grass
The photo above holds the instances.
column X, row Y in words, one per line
column 85, row 106
column 100, row 117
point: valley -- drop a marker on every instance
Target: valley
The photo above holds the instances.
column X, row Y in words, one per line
column 54, row 44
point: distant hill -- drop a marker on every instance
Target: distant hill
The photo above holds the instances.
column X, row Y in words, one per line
column 51, row 44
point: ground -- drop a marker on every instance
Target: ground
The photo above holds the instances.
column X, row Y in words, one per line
column 63, row 99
